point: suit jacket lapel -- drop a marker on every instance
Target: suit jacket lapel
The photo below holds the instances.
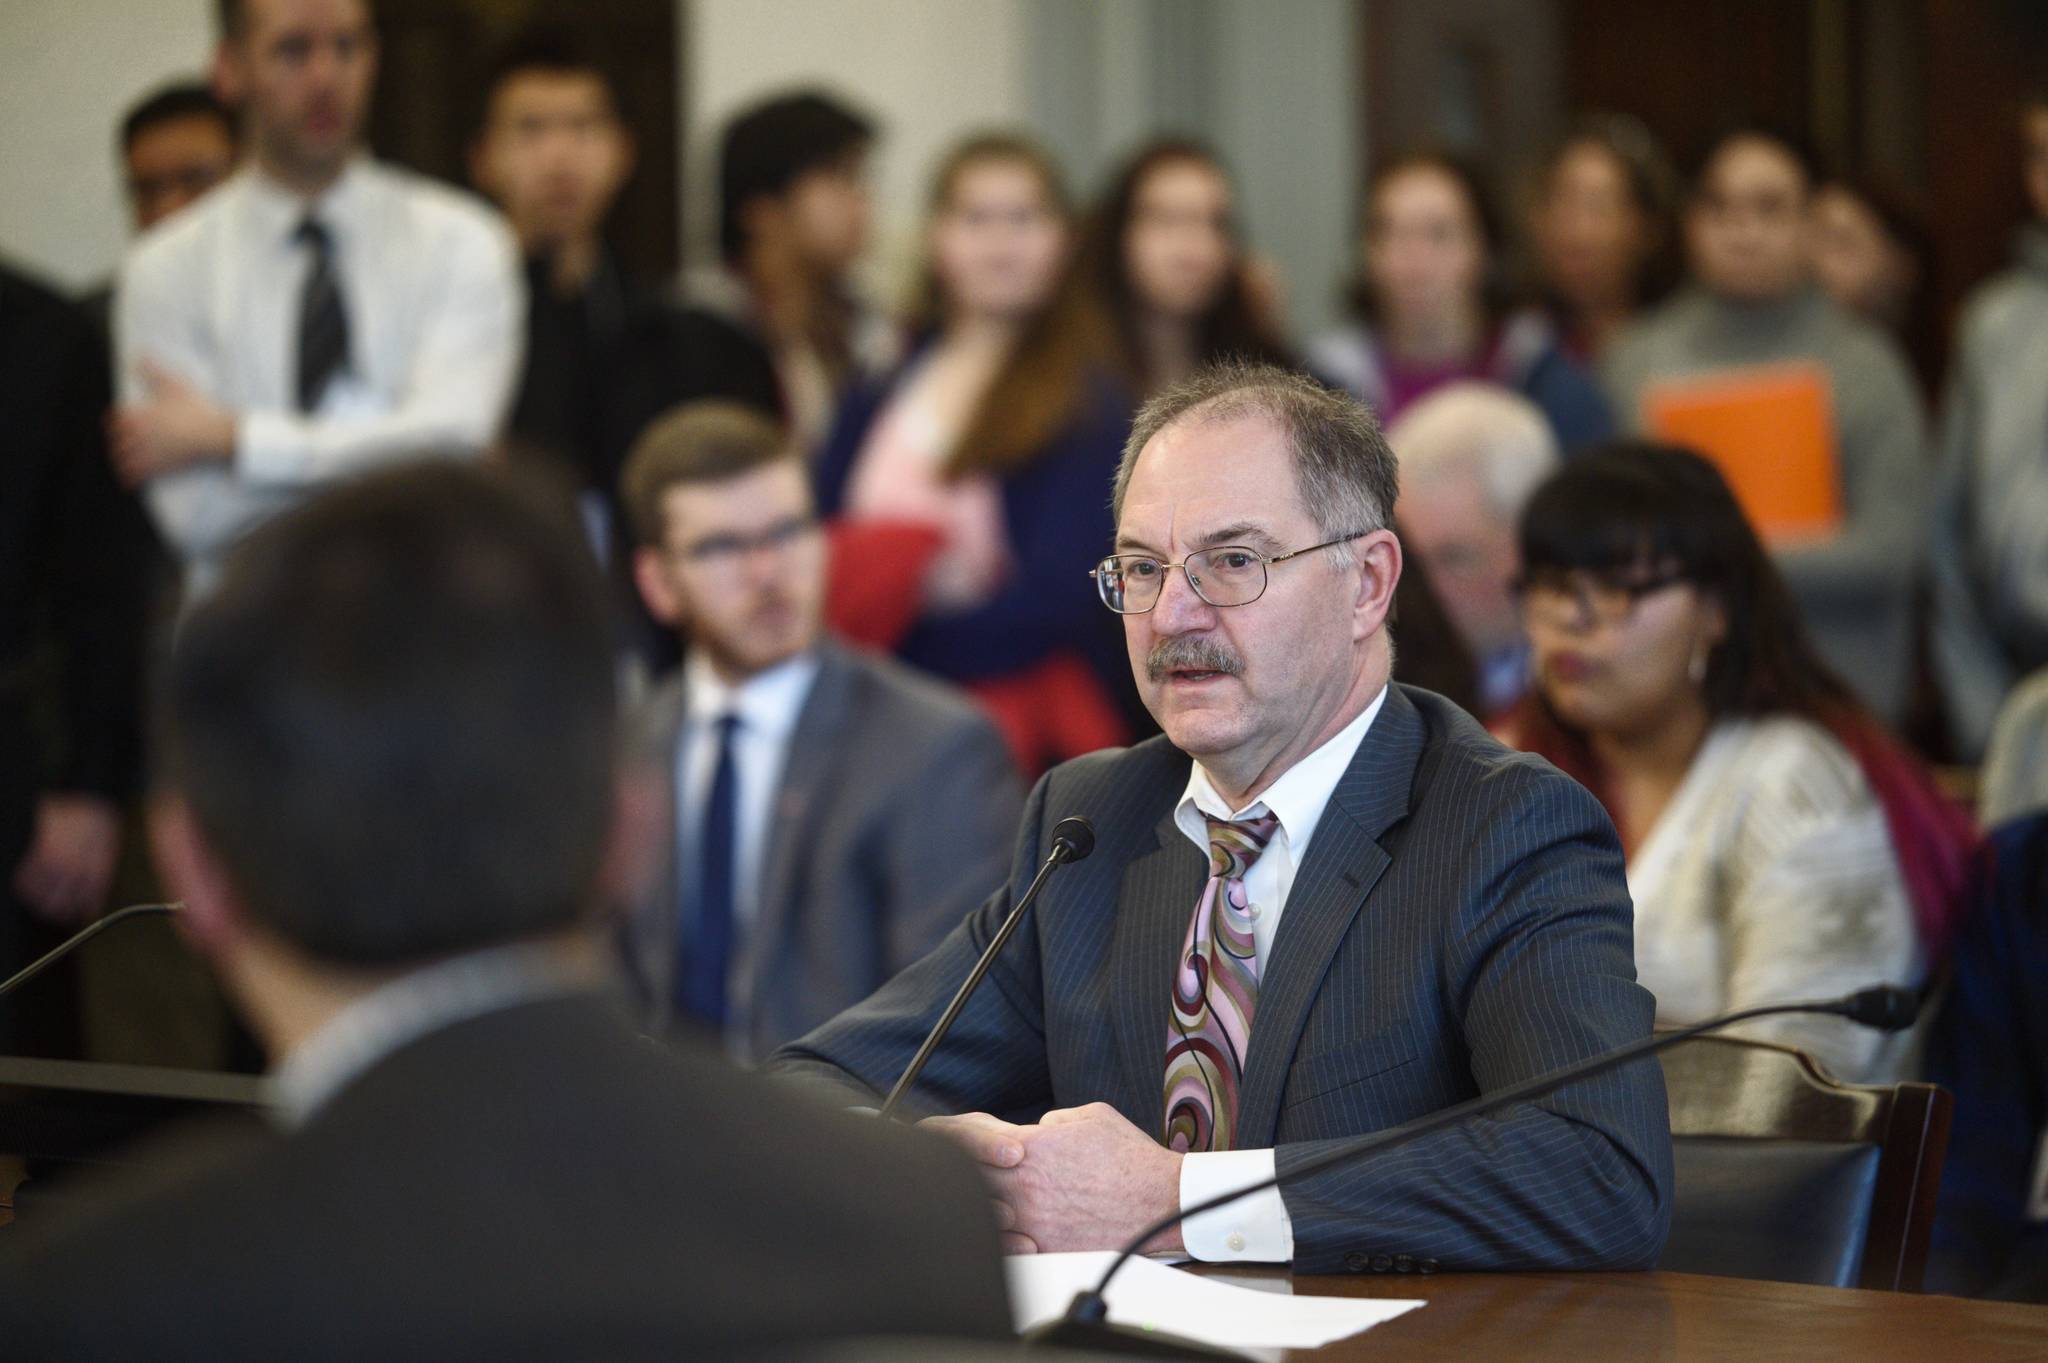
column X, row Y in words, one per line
column 660, row 734
column 813, row 754
column 1157, row 896
column 1345, row 861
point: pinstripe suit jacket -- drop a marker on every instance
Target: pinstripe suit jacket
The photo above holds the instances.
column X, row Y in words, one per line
column 1460, row 923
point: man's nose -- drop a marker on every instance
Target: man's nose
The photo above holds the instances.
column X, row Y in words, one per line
column 1181, row 608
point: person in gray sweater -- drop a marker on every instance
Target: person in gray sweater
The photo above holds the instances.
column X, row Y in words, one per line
column 1752, row 303
column 1988, row 552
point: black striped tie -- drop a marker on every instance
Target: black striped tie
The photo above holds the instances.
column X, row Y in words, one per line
column 323, row 324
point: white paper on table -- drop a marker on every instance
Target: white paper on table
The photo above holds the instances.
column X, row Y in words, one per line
column 1152, row 1296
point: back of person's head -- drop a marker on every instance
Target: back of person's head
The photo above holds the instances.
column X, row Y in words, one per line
column 1480, row 431
column 1639, row 506
column 694, row 444
column 771, row 146
column 1344, row 471
column 173, row 104
column 393, row 720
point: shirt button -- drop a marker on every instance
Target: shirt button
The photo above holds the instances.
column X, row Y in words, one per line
column 1252, row 911
column 1235, row 1241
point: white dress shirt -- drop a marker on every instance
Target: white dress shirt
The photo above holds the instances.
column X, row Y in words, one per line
column 767, row 706
column 1257, row 1228
column 429, row 278
column 423, row 1001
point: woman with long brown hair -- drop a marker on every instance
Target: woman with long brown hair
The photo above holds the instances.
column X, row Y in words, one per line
column 970, row 488
column 1780, row 846
column 1164, row 260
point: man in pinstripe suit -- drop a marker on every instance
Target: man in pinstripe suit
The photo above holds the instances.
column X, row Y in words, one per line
column 1396, row 913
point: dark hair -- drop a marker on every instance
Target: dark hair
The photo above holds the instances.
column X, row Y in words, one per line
column 1652, row 182
column 1233, row 325
column 1787, row 142
column 698, row 442
column 771, row 146
column 548, row 50
column 233, row 15
column 1343, row 468
column 174, row 103
column 1479, row 200
column 1634, row 503
column 393, row 718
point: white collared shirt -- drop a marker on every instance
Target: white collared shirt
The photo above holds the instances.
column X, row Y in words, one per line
column 430, row 281
column 768, row 706
column 1257, row 1228
column 416, row 1004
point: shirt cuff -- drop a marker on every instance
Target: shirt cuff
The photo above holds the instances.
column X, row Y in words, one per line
column 1253, row 1229
column 269, row 448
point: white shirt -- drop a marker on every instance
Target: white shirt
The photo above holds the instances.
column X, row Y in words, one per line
column 1257, row 1228
column 1770, row 876
column 429, row 278
column 424, row 1001
column 767, row 706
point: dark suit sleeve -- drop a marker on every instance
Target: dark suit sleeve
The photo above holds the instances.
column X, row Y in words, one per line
column 994, row 1059
column 95, row 549
column 950, row 837
column 1542, row 975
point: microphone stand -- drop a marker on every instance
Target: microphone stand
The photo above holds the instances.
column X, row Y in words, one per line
column 79, row 939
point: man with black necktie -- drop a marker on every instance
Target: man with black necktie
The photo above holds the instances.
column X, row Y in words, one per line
column 318, row 314
column 835, row 814
column 1322, row 903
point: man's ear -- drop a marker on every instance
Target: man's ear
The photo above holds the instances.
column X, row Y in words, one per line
column 1379, row 568
column 664, row 602
column 213, row 915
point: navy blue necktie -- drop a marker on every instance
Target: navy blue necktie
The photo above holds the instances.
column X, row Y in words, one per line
column 323, row 321
column 707, row 943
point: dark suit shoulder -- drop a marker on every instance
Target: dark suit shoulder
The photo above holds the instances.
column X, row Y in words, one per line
column 906, row 707
column 1459, row 752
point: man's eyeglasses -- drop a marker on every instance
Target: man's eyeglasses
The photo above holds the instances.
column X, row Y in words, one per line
column 1228, row 575
column 1595, row 598
column 725, row 553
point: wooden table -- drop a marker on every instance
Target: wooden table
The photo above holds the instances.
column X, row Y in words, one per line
column 1590, row 1317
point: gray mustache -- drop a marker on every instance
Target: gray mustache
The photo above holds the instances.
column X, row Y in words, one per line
column 1191, row 653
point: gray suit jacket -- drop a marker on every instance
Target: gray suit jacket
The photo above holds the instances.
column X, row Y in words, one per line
column 893, row 821
column 1460, row 923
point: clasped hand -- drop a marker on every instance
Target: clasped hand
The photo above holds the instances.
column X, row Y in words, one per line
column 1083, row 1178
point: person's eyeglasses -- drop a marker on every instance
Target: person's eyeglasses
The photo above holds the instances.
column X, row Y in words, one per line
column 1228, row 575
column 725, row 553
column 1591, row 597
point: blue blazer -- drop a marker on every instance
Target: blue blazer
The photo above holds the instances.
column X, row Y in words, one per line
column 1990, row 1048
column 1461, row 922
column 1056, row 510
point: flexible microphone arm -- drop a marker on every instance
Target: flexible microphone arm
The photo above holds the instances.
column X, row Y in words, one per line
column 1072, row 839
column 1885, row 1007
column 79, row 939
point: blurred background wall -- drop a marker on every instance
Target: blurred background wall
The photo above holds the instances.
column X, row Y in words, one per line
column 1298, row 95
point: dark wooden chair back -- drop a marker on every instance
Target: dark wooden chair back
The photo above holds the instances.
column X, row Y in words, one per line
column 1785, row 1173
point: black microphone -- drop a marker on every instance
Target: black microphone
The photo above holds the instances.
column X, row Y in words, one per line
column 1086, row 1324
column 79, row 939
column 1072, row 839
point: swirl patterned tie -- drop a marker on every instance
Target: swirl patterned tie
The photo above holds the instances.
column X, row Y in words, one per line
column 1215, row 988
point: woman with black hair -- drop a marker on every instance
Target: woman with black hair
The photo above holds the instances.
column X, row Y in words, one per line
column 1779, row 845
column 1163, row 262
column 1431, row 309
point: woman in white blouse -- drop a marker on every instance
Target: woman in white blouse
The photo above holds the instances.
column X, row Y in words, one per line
column 1779, row 846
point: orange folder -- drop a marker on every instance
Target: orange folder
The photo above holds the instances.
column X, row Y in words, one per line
column 1771, row 431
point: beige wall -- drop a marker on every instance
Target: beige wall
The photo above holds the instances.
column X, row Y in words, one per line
column 68, row 70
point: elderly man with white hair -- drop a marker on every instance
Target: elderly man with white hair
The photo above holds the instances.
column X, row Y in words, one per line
column 1471, row 453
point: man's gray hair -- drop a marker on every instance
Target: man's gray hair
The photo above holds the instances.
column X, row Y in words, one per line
column 1480, row 431
column 1343, row 467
